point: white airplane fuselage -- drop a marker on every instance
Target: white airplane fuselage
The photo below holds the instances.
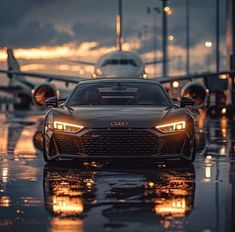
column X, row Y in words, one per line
column 119, row 64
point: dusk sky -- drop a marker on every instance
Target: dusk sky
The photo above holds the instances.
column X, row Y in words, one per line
column 46, row 33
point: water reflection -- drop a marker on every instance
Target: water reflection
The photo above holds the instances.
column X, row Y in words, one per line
column 66, row 225
column 98, row 197
column 16, row 136
column 162, row 195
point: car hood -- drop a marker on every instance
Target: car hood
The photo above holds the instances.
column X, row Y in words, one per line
column 133, row 117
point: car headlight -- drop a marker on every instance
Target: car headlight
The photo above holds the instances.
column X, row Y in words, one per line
column 67, row 127
column 172, row 127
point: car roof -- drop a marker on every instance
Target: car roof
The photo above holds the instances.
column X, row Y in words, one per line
column 121, row 79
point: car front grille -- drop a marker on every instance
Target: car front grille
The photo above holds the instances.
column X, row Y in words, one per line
column 119, row 142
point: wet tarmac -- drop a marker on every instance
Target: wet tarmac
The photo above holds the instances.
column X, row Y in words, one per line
column 115, row 196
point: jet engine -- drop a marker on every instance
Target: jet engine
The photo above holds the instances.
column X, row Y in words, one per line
column 196, row 92
column 42, row 93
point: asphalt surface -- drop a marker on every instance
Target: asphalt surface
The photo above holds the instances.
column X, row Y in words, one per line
column 115, row 196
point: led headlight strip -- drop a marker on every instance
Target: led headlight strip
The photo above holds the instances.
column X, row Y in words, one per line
column 67, row 127
column 172, row 127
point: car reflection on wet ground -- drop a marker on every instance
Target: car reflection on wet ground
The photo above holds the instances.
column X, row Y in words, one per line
column 165, row 196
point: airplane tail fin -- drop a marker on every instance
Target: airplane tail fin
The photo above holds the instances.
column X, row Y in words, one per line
column 12, row 65
column 119, row 32
column 12, row 62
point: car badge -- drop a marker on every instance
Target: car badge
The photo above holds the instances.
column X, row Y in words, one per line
column 119, row 123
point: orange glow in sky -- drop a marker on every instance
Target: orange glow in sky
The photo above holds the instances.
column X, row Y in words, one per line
column 56, row 58
column 55, row 52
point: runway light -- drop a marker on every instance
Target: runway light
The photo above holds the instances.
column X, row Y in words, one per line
column 207, row 91
column 222, row 151
column 145, row 75
column 223, row 77
column 151, row 184
column 171, row 37
column 224, row 111
column 208, row 44
column 175, row 84
column 168, row 10
column 98, row 72
column 94, row 75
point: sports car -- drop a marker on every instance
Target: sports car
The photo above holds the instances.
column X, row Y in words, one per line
column 118, row 119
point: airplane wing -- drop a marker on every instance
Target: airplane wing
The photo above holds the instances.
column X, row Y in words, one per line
column 154, row 62
column 74, row 79
column 81, row 62
column 9, row 89
column 191, row 77
column 48, row 77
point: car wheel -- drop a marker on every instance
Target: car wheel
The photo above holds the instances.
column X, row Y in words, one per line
column 190, row 150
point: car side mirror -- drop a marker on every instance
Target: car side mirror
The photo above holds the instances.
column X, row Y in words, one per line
column 185, row 101
column 61, row 101
column 51, row 102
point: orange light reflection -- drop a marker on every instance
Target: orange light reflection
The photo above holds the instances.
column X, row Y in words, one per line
column 5, row 201
column 65, row 205
column 66, row 224
column 172, row 207
column 24, row 146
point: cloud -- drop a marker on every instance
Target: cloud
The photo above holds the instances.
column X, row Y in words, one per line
column 28, row 24
column 33, row 34
column 93, row 32
column 95, row 21
column 13, row 12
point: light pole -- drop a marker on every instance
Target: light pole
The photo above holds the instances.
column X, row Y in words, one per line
column 187, row 38
column 157, row 10
column 166, row 10
column 208, row 44
column 217, row 36
column 164, row 37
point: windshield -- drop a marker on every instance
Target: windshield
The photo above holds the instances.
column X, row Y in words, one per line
column 119, row 93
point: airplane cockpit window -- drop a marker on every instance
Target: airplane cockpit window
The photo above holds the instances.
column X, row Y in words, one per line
column 124, row 62
column 106, row 62
column 132, row 62
column 114, row 62
column 119, row 62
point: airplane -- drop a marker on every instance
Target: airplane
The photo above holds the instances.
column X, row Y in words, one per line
column 118, row 63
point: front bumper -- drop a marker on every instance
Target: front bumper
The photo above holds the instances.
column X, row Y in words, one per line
column 116, row 143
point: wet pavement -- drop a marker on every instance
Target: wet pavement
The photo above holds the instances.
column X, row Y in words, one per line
column 115, row 197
